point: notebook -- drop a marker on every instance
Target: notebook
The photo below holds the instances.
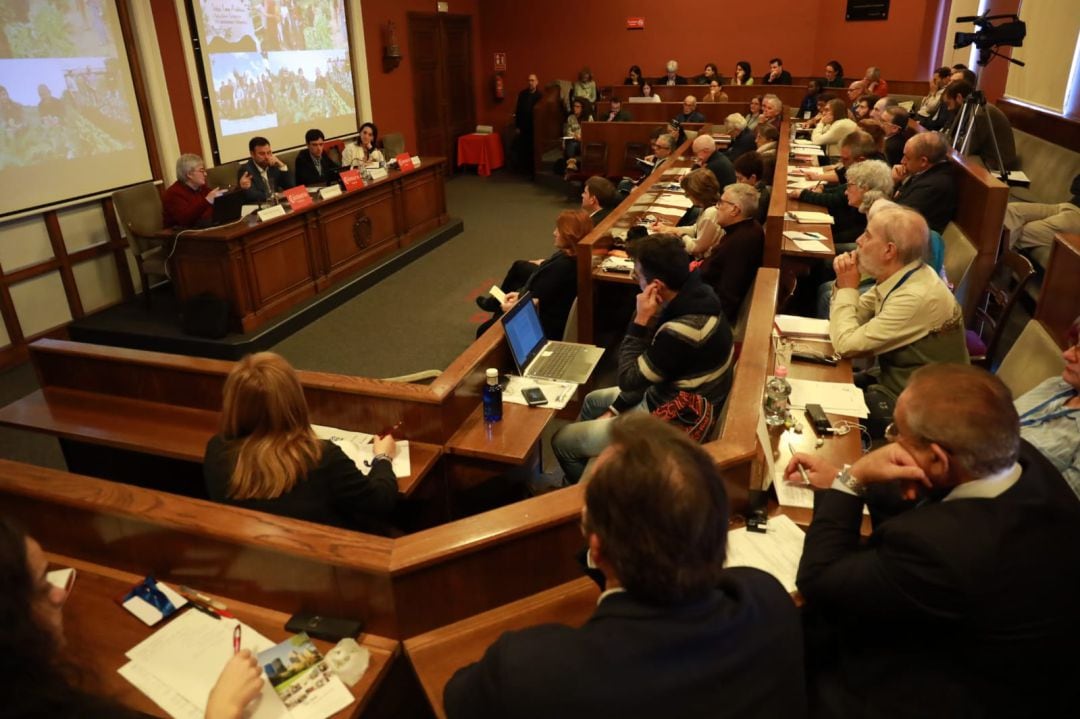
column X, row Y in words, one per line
column 535, row 356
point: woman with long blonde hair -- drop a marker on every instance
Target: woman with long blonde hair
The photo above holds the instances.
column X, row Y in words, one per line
column 267, row 457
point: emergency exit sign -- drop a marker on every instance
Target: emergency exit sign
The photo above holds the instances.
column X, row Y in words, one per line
column 635, row 23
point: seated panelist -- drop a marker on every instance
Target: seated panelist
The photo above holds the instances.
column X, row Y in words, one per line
column 189, row 202
column 50, row 683
column 264, row 173
column 268, row 458
column 313, row 166
column 363, row 150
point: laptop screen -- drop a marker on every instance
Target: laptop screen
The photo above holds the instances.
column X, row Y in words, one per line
column 523, row 331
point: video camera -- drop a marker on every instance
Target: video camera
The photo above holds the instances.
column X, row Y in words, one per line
column 988, row 36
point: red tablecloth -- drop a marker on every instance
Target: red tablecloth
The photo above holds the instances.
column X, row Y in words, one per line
column 484, row 151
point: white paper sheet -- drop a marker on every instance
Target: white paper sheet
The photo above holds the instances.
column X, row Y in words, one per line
column 794, row 326
column 806, row 217
column 159, row 692
column 402, row 465
column 558, row 394
column 671, row 199
column 834, row 397
column 777, row 552
column 358, row 447
column 811, row 245
column 808, row 151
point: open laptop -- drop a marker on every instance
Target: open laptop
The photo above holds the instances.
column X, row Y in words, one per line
column 535, row 356
column 228, row 207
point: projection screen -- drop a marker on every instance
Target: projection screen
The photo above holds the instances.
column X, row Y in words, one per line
column 71, row 124
column 275, row 68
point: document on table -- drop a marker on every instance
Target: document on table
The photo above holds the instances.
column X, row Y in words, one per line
column 811, row 245
column 671, row 199
column 806, row 217
column 358, row 447
column 800, row 183
column 835, row 397
column 558, row 394
column 180, row 663
column 808, row 151
column 777, row 552
column 794, row 326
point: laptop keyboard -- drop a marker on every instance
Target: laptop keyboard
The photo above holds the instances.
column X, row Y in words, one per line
column 556, row 363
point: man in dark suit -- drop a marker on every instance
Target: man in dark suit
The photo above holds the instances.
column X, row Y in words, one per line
column 617, row 113
column 689, row 111
column 894, row 120
column 523, row 122
column 777, row 75
column 963, row 605
column 672, row 77
column 742, row 138
column 313, row 166
column 925, row 181
column 674, row 634
column 598, row 197
column 267, row 173
column 706, row 155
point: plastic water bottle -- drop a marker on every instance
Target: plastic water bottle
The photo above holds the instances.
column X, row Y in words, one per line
column 777, row 391
column 493, row 392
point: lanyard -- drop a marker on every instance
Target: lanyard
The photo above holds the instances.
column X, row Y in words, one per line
column 1027, row 419
column 903, row 279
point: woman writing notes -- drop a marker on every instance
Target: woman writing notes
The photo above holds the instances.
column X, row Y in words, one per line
column 268, row 458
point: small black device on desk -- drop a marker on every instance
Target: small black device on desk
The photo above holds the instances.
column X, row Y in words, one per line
column 818, row 419
column 331, row 629
column 534, row 396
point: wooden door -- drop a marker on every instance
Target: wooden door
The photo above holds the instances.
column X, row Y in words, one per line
column 441, row 48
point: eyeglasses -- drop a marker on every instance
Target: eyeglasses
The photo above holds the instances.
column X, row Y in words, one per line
column 722, row 201
column 891, row 432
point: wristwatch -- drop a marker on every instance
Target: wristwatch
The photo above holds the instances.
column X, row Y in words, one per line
column 846, row 478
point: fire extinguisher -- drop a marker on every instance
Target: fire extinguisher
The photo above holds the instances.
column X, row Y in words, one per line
column 497, row 87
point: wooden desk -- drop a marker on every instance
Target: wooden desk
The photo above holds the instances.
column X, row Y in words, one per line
column 262, row 269
column 99, row 632
column 1059, row 299
column 436, row 655
column 788, row 94
column 662, row 112
column 617, row 136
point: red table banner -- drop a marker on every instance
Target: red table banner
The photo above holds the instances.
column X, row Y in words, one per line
column 404, row 162
column 352, row 180
column 298, row 197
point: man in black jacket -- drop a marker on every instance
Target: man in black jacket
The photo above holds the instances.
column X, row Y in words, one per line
column 777, row 75
column 894, row 120
column 313, row 166
column 742, row 138
column 706, row 155
column 963, row 605
column 267, row 174
column 925, row 180
column 674, row 634
column 677, row 341
column 689, row 111
column 523, row 122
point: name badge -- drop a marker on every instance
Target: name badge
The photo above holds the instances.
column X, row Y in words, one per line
column 330, row 191
column 271, row 212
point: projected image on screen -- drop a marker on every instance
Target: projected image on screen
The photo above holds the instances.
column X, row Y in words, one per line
column 65, row 94
column 276, row 68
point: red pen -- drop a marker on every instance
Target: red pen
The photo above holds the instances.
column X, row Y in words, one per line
column 236, row 639
column 390, row 430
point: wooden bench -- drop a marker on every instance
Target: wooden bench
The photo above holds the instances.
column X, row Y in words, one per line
column 788, row 94
column 662, row 112
column 617, row 136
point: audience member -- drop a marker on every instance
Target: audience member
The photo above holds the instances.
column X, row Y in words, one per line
column 984, row 135
column 834, row 74
column 772, row 111
column 647, row 91
column 677, row 341
column 743, row 74
column 820, row 102
column 674, row 632
column 874, row 129
column 754, row 116
column 523, row 124
column 732, row 261
column 874, row 83
column 46, row 681
column 808, row 106
column 689, row 111
column 581, row 111
column 1032, row 225
column 672, row 76
column 969, row 595
column 313, row 166
column 715, row 94
column 364, row 150
column 927, row 108
column 707, row 155
column 961, row 73
column 617, row 113
column 702, row 189
column 855, row 90
column 864, row 105
column 849, row 222
column 189, row 202
column 662, row 148
column 833, row 128
column 910, row 318
column 264, row 174
column 879, row 107
column 894, row 121
column 777, row 75
column 634, row 76
column 742, row 137
column 584, row 88
column 766, row 138
column 751, row 169
column 924, row 179
column 266, row 456
column 1050, row 414
column 710, row 73
column 552, row 283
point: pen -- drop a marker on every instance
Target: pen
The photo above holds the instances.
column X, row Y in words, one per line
column 199, row 598
column 390, row 430
column 799, row 465
column 236, row 639
column 206, row 610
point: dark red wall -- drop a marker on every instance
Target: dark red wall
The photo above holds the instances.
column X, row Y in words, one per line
column 172, row 52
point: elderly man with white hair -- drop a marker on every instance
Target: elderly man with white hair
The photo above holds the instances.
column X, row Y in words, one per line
column 672, row 77
column 742, row 137
column 706, row 155
column 772, row 110
column 908, row 319
column 689, row 111
column 189, row 201
column 731, row 264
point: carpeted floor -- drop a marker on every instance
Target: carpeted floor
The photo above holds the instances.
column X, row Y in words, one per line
column 420, row 318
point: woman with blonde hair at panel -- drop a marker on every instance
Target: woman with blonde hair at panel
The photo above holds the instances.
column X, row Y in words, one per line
column 267, row 457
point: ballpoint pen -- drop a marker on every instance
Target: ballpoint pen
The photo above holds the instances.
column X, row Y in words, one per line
column 236, row 639
column 799, row 466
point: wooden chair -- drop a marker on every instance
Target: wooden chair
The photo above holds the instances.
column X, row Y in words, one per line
column 1012, row 273
column 960, row 253
column 593, row 162
column 222, row 175
column 630, row 167
column 140, row 213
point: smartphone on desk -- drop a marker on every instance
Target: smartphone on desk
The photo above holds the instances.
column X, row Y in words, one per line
column 534, row 396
